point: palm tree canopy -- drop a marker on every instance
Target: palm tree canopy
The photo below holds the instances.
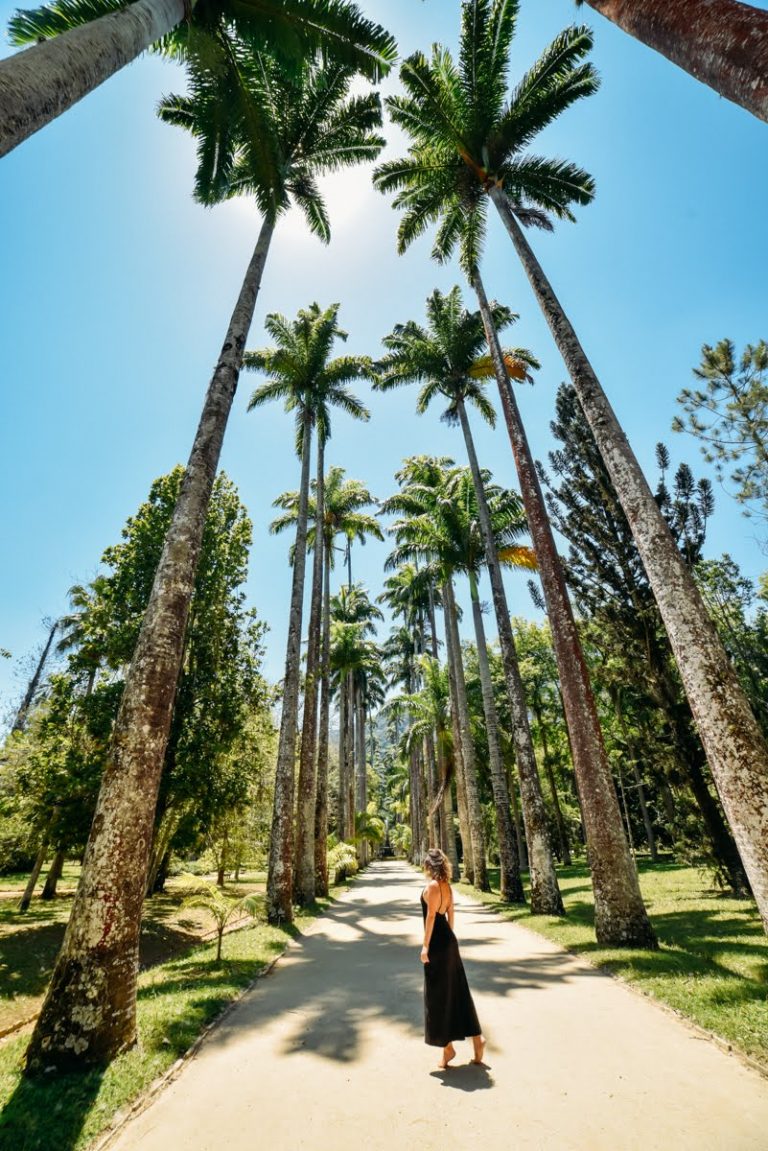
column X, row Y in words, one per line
column 449, row 357
column 302, row 372
column 269, row 133
column 469, row 133
column 441, row 525
column 343, row 514
column 290, row 30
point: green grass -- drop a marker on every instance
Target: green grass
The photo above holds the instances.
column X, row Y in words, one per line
column 712, row 963
column 30, row 942
column 176, row 1001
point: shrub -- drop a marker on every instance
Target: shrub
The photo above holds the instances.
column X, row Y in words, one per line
column 342, row 862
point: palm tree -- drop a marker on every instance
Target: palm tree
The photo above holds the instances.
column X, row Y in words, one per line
column 451, row 530
column 411, row 594
column 422, row 533
column 353, row 657
column 725, row 45
column 428, row 717
column 310, row 382
column 78, row 44
column 342, row 514
column 469, row 145
column 90, row 1011
column 445, row 358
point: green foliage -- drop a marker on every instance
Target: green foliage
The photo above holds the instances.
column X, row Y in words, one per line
column 222, row 909
column 728, row 415
column 342, row 862
column 468, row 134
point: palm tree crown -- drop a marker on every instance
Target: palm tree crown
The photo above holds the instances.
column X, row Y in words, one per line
column 267, row 132
column 302, row 373
column 469, row 135
column 449, row 357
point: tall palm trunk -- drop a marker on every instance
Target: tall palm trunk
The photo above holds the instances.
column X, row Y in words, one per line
column 321, row 803
column 349, row 767
column 545, row 893
column 562, row 832
column 735, row 746
column 434, row 821
column 620, row 915
column 307, row 797
column 343, row 737
column 723, row 43
column 522, row 847
column 41, row 82
column 449, row 830
column 474, row 813
column 361, row 782
column 34, row 683
column 280, row 867
column 89, row 1013
column 458, row 757
column 511, row 884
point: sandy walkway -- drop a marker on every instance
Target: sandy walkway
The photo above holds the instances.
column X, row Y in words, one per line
column 327, row 1053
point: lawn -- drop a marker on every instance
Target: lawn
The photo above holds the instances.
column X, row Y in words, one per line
column 30, row 942
column 712, row 963
column 176, row 999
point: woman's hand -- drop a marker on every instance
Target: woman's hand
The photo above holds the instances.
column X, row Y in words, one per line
column 424, row 955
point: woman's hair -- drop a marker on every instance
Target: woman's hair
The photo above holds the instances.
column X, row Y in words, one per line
column 438, row 865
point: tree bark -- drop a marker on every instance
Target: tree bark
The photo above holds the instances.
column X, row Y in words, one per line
column 735, row 747
column 307, row 798
column 361, row 782
column 89, row 1013
column 545, row 893
column 21, row 715
column 723, row 43
column 522, row 847
column 321, row 803
column 349, row 767
column 620, row 916
column 280, row 867
column 474, row 813
column 458, row 757
column 34, row 875
column 53, row 876
column 39, row 83
column 562, row 832
column 343, row 734
column 510, row 881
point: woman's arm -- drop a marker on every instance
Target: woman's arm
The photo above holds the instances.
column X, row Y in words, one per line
column 432, row 896
column 449, row 912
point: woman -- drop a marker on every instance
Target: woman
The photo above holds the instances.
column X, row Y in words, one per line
column 449, row 1012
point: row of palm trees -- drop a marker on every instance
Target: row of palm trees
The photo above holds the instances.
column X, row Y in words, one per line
column 469, row 141
column 80, row 44
column 267, row 128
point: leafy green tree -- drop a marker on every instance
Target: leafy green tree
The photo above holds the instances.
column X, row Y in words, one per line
column 724, row 45
column 77, row 44
column 311, row 383
column 469, row 146
column 728, row 415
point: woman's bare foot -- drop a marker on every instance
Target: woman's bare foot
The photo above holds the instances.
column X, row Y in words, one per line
column 479, row 1045
column 449, row 1053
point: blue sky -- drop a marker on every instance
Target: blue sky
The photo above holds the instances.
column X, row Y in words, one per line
column 117, row 288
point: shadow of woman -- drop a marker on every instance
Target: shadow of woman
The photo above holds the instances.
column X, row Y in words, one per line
column 468, row 1077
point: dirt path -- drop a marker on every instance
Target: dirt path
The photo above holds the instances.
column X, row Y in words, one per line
column 327, row 1053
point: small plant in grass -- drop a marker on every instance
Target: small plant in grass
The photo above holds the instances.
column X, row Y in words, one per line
column 222, row 908
column 342, row 861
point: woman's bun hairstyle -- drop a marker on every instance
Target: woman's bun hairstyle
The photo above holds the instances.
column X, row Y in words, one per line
column 438, row 865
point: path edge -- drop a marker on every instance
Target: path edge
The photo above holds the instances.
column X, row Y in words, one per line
column 140, row 1104
column 701, row 1032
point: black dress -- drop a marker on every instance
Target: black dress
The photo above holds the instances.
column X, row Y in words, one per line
column 449, row 1012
